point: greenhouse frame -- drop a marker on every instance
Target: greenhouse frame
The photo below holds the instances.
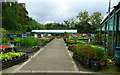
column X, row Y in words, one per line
column 109, row 31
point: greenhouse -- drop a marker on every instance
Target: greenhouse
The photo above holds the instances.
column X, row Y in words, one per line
column 55, row 31
column 110, row 31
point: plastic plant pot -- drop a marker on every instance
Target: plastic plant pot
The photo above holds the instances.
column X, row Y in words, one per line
column 95, row 65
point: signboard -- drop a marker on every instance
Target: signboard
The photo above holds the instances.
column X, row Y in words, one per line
column 42, row 35
column 12, row 35
column 35, row 35
column 28, row 32
column 6, row 46
column 24, row 36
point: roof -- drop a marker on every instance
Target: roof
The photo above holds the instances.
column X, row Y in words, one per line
column 117, row 7
column 55, row 31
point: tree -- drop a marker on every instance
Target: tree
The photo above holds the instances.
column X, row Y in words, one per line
column 95, row 19
column 9, row 16
column 15, row 18
column 88, row 23
column 71, row 22
column 83, row 16
column 83, row 23
column 66, row 23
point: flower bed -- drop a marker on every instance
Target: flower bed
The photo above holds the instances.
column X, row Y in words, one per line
column 90, row 55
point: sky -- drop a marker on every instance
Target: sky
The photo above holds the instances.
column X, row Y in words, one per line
column 49, row 11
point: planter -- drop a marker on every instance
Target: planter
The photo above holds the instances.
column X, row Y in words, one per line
column 9, row 63
column 95, row 65
column 42, row 44
column 87, row 62
column 82, row 60
column 67, row 44
column 33, row 49
column 70, row 47
column 102, row 64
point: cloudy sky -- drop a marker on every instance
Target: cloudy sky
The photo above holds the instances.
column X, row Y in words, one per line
column 46, row 11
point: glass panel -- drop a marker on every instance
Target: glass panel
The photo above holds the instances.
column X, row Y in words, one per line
column 103, row 27
column 111, row 23
column 119, row 20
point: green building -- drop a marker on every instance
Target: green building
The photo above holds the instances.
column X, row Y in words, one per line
column 109, row 31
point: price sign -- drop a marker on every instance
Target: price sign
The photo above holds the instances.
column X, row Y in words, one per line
column 24, row 36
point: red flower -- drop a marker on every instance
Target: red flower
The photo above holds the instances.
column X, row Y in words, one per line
column 91, row 52
column 84, row 50
column 75, row 47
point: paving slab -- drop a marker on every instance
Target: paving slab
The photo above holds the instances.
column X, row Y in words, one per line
column 54, row 57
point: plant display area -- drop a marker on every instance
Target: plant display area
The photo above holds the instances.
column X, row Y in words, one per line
column 89, row 55
column 17, row 50
column 9, row 57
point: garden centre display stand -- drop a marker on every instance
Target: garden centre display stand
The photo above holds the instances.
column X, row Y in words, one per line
column 15, row 60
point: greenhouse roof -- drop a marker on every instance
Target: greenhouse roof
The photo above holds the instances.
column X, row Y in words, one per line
column 55, row 31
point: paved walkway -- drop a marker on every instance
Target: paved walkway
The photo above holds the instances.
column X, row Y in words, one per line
column 54, row 57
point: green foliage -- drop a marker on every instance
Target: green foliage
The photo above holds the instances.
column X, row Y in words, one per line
column 5, row 43
column 81, row 42
column 95, row 19
column 44, row 39
column 28, row 42
column 83, row 16
column 89, row 22
column 9, row 15
column 15, row 18
column 3, row 35
column 17, row 39
column 9, row 55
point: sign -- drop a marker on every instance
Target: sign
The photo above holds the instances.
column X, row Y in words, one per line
column 42, row 35
column 11, row 46
column 35, row 35
column 12, row 35
column 24, row 36
column 49, row 34
column 7, row 46
column 28, row 32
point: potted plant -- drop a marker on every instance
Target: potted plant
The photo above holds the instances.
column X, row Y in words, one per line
column 103, row 60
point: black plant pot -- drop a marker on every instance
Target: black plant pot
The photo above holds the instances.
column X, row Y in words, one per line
column 70, row 47
column 87, row 62
column 12, row 62
column 95, row 65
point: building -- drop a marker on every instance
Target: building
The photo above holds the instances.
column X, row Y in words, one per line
column 54, row 32
column 109, row 31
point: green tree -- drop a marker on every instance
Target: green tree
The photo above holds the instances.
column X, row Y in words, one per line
column 95, row 19
column 9, row 15
column 83, row 23
column 15, row 18
column 88, row 23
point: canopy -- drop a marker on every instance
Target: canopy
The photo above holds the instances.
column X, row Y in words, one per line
column 55, row 31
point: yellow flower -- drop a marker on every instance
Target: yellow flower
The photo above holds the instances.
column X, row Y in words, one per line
column 110, row 62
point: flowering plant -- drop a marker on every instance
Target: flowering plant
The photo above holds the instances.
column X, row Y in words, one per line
column 71, row 41
column 88, row 51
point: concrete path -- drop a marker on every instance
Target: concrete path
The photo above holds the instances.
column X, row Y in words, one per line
column 54, row 57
